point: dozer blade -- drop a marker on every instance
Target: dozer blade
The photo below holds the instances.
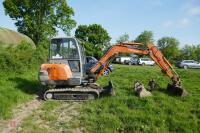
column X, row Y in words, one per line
column 108, row 90
column 176, row 90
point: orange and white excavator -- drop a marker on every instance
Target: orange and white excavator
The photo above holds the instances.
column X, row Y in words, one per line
column 68, row 76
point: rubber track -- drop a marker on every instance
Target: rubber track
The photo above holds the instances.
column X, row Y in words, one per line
column 85, row 92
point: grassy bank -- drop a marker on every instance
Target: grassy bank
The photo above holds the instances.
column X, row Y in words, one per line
column 18, row 75
column 159, row 113
column 15, row 89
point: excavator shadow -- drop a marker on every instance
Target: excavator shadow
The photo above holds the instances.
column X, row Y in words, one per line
column 161, row 90
column 27, row 86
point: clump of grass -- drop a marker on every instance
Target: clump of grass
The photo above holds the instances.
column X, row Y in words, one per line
column 129, row 113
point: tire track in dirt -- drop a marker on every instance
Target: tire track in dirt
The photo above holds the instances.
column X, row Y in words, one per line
column 69, row 114
column 20, row 113
column 60, row 118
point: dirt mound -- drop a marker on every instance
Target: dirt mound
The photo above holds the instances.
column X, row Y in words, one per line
column 12, row 38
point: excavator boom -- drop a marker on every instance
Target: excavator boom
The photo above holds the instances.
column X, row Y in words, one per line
column 115, row 50
column 125, row 47
column 152, row 51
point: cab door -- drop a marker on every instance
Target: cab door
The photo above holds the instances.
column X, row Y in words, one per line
column 67, row 51
column 73, row 55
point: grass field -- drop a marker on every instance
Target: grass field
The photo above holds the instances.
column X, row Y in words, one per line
column 15, row 89
column 124, row 112
column 159, row 113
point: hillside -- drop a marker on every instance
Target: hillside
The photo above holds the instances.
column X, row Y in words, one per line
column 12, row 38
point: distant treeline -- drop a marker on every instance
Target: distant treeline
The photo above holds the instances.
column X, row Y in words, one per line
column 169, row 46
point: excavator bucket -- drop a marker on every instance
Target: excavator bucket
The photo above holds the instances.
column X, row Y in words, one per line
column 173, row 89
column 176, row 90
column 108, row 90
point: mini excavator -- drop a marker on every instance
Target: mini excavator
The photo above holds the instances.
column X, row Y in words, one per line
column 67, row 76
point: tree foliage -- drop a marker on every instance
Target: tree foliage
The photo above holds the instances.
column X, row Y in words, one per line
column 94, row 38
column 21, row 58
column 191, row 52
column 145, row 37
column 169, row 47
column 123, row 38
column 40, row 19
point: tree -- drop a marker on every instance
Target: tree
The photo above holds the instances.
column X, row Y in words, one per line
column 197, row 52
column 191, row 52
column 40, row 19
column 94, row 38
column 145, row 37
column 169, row 47
column 123, row 38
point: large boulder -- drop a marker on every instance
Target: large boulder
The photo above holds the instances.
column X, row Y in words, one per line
column 12, row 38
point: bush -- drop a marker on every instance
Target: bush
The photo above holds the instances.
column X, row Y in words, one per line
column 21, row 58
column 41, row 53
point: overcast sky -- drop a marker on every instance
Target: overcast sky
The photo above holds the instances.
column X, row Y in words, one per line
column 176, row 18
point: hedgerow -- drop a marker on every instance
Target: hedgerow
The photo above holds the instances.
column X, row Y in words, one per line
column 21, row 58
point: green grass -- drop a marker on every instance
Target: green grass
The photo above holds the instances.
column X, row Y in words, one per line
column 18, row 76
column 16, row 88
column 125, row 111
column 129, row 113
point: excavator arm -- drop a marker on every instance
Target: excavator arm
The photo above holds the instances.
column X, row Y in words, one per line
column 162, row 62
column 114, row 50
column 126, row 47
column 131, row 47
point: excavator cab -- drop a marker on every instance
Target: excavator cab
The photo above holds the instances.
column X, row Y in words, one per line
column 65, row 76
column 65, row 58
